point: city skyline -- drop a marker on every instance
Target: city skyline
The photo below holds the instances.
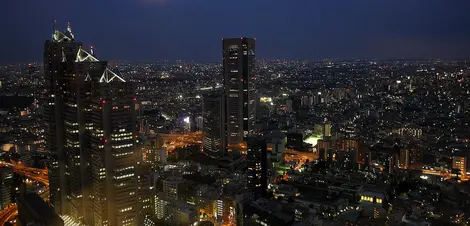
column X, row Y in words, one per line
column 159, row 30
column 248, row 141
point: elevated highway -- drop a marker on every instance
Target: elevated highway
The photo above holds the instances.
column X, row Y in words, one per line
column 40, row 175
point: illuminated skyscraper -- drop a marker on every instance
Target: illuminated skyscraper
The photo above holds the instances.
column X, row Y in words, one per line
column 90, row 135
column 238, row 69
column 59, row 65
column 213, row 123
column 112, row 141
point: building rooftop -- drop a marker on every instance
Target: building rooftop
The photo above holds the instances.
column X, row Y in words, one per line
column 37, row 209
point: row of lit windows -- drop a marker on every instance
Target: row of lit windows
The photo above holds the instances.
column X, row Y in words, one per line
column 122, row 146
column 71, row 124
column 125, row 210
column 124, row 176
column 124, row 169
column 98, row 134
column 123, row 154
column 121, row 134
column 123, row 138
column 371, row 199
column 71, row 105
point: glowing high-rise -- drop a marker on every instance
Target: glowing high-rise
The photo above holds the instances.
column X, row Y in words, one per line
column 90, row 135
column 239, row 85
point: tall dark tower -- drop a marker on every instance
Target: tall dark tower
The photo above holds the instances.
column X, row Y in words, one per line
column 213, row 123
column 59, row 66
column 113, row 151
column 239, row 88
column 90, row 135
column 256, row 157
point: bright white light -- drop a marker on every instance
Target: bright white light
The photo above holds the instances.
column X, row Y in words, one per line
column 186, row 120
column 398, row 81
column 424, row 177
column 265, row 99
column 83, row 56
column 198, row 96
column 313, row 140
column 166, row 116
column 109, row 75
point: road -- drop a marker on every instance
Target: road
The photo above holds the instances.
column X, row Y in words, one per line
column 39, row 175
column 8, row 214
column 173, row 141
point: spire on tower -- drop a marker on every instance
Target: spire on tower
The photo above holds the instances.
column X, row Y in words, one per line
column 54, row 32
column 58, row 36
column 69, row 30
column 91, row 51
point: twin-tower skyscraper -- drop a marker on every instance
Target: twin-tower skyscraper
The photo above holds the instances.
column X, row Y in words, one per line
column 90, row 135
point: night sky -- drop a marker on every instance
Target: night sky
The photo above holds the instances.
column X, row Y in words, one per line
column 150, row 30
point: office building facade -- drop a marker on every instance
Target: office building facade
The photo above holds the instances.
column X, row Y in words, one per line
column 90, row 135
column 239, row 86
column 213, row 124
column 6, row 181
column 257, row 166
column 59, row 58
